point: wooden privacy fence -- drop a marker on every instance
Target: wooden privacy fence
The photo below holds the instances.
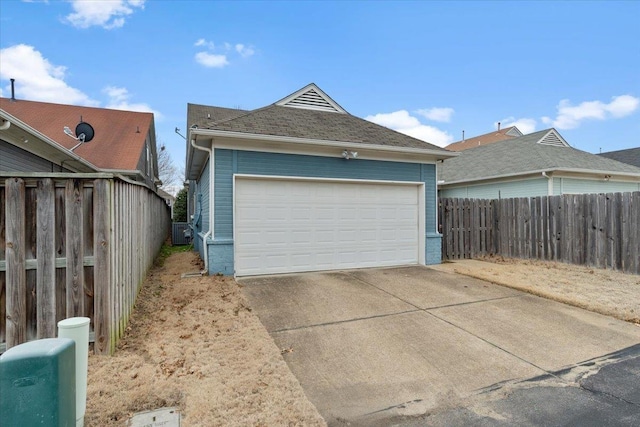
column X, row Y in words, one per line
column 600, row 230
column 74, row 245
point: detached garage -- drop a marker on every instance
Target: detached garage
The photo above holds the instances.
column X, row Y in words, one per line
column 301, row 185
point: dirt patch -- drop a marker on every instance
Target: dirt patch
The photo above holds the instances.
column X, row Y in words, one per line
column 603, row 291
column 194, row 343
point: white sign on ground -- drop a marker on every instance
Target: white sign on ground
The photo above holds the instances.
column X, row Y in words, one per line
column 164, row 417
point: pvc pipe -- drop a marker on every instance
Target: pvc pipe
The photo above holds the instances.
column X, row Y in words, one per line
column 77, row 328
column 211, row 216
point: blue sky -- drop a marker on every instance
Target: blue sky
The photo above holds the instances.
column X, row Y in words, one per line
column 430, row 69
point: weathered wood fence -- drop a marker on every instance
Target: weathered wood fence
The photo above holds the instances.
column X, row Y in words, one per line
column 600, row 230
column 74, row 245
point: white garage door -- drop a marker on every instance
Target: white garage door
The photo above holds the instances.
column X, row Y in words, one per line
column 284, row 226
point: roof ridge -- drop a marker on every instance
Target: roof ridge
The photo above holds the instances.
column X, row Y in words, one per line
column 75, row 106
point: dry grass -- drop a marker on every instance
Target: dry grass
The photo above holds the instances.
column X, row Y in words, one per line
column 194, row 343
column 603, row 291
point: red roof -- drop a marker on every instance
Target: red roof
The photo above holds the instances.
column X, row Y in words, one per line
column 487, row 138
column 119, row 139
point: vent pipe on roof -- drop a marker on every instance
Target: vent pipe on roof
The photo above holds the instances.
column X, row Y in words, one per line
column 498, row 126
column 462, row 135
column 13, row 90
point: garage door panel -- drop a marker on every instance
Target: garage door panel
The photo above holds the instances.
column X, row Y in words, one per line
column 288, row 226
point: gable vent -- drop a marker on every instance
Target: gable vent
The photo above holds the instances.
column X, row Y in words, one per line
column 552, row 138
column 311, row 98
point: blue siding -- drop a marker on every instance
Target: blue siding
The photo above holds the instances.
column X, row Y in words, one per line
column 230, row 162
column 201, row 209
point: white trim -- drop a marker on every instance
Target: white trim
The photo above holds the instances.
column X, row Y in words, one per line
column 284, row 102
column 331, row 151
column 293, row 145
column 539, row 171
column 420, row 187
column 322, row 179
column 212, row 199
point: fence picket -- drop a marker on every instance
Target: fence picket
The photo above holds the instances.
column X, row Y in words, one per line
column 46, row 257
column 16, row 279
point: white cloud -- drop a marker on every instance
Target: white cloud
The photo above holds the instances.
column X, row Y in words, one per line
column 211, row 60
column 119, row 100
column 107, row 14
column 570, row 116
column 244, row 51
column 524, row 125
column 37, row 79
column 403, row 122
column 218, row 56
column 437, row 114
column 203, row 42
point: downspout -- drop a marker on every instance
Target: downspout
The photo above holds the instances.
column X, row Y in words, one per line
column 5, row 125
column 550, row 184
column 208, row 233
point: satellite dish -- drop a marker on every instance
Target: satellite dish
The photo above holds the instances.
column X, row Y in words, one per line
column 84, row 132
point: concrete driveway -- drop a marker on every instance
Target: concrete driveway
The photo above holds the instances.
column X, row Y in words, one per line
column 374, row 346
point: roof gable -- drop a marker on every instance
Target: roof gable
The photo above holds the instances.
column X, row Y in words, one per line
column 513, row 131
column 553, row 138
column 311, row 97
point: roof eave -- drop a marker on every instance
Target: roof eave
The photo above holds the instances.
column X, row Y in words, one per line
column 86, row 166
column 439, row 154
column 540, row 171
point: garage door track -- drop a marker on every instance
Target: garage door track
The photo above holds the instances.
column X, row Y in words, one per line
column 380, row 346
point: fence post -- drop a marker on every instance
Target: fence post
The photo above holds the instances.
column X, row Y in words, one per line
column 16, row 286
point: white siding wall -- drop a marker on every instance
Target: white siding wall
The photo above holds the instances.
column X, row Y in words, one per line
column 582, row 186
column 521, row 188
column 539, row 187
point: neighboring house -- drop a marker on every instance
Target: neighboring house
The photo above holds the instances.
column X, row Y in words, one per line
column 169, row 199
column 124, row 141
column 302, row 185
column 24, row 149
column 487, row 138
column 538, row 164
column 630, row 156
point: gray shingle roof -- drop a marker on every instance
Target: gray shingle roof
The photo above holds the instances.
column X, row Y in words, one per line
column 521, row 155
column 203, row 115
column 301, row 123
column 630, row 156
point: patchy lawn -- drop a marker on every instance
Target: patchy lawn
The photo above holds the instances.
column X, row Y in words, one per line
column 604, row 291
column 194, row 343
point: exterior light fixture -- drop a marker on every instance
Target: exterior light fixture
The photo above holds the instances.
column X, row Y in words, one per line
column 346, row 154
